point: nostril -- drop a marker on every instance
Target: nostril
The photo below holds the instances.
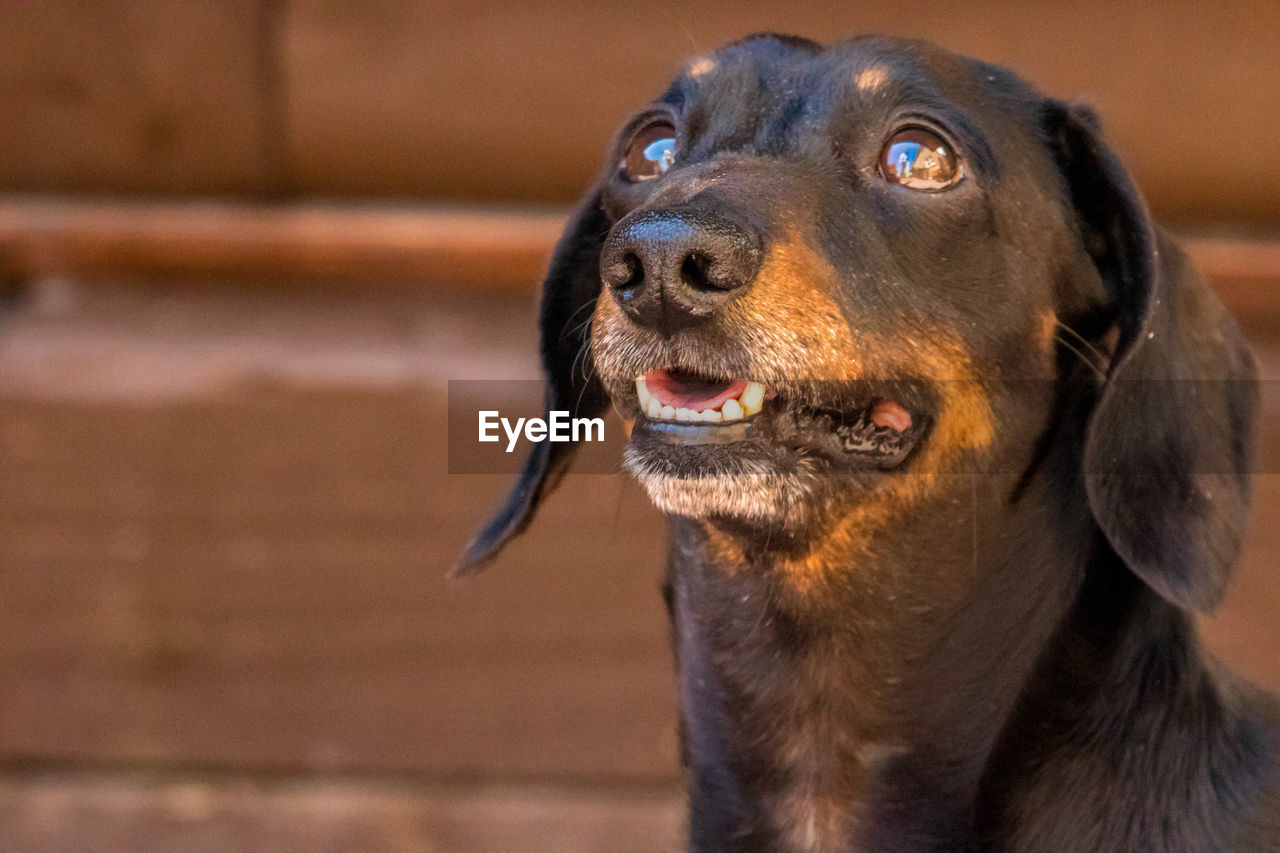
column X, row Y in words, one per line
column 694, row 271
column 706, row 272
column 625, row 274
column 671, row 268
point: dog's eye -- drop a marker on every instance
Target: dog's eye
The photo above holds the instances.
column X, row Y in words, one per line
column 651, row 152
column 919, row 159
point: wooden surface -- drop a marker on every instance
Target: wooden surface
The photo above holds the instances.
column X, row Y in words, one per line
column 243, row 562
column 225, row 516
column 147, row 97
column 92, row 812
column 499, row 101
column 493, row 250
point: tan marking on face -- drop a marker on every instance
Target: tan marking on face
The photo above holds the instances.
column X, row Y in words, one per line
column 790, row 327
column 792, row 323
column 963, row 424
column 1046, row 329
column 701, row 67
column 872, row 79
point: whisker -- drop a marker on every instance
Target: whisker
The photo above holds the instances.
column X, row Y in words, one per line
column 1084, row 359
column 1102, row 361
column 590, row 303
column 588, row 363
column 588, row 375
column 613, row 404
column 577, row 328
column 578, row 357
column 588, row 372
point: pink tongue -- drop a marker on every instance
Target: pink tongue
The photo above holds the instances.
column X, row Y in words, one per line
column 887, row 413
column 698, row 396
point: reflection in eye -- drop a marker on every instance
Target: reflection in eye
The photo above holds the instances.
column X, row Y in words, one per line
column 919, row 159
column 662, row 152
column 652, row 151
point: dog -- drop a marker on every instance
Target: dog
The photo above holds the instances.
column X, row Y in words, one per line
column 953, row 442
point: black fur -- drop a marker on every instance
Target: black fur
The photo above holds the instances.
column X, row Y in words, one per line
column 1012, row 665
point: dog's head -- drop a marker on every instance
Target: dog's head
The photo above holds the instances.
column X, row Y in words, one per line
column 824, row 281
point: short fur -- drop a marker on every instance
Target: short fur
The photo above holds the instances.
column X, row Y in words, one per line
column 990, row 646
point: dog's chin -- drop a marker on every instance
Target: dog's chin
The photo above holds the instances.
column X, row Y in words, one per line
column 755, row 497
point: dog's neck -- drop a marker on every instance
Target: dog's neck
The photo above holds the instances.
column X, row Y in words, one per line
column 866, row 709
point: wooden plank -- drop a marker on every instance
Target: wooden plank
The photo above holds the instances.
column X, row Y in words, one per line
column 498, row 101
column 1230, row 259
column 489, row 250
column 486, row 250
column 137, row 97
column 503, row 101
column 88, row 812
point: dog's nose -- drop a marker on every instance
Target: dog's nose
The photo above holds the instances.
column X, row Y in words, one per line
column 671, row 268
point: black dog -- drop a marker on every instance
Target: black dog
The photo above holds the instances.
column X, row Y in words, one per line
column 953, row 443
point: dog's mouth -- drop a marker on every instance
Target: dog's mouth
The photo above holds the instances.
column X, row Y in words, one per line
column 851, row 426
column 685, row 397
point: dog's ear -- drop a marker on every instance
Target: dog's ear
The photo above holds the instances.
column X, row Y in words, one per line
column 1169, row 444
column 568, row 299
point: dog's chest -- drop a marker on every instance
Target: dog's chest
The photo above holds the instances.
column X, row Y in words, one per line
column 825, row 783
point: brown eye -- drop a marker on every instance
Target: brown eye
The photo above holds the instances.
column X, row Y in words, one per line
column 651, row 152
column 919, row 159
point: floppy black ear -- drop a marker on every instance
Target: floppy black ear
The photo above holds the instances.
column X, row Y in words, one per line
column 568, row 299
column 1168, row 451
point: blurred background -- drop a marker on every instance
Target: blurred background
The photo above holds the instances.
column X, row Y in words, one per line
column 244, row 244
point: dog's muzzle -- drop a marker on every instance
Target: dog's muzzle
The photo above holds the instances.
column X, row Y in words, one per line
column 672, row 268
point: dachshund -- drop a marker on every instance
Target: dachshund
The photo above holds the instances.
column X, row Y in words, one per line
column 953, row 444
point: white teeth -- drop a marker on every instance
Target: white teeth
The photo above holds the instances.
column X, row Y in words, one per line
column 748, row 403
column 752, row 398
